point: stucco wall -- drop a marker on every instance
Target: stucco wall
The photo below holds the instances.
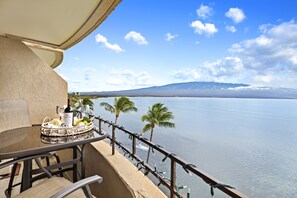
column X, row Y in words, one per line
column 23, row 75
column 121, row 179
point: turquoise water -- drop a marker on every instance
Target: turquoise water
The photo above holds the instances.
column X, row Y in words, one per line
column 250, row 144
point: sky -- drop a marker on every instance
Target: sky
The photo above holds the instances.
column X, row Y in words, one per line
column 147, row 43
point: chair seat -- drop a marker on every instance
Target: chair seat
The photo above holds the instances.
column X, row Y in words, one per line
column 49, row 187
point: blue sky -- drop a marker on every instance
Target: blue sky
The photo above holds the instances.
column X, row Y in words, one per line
column 155, row 42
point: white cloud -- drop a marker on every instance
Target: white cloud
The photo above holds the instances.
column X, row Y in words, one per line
column 264, row 28
column 136, row 37
column 89, row 69
column 169, row 36
column 76, row 81
column 269, row 59
column 129, row 78
column 102, row 66
column 236, row 14
column 251, row 87
column 224, row 67
column 76, row 58
column 207, row 28
column 273, row 51
column 114, row 81
column 263, row 78
column 231, row 28
column 88, row 73
column 186, row 74
column 114, row 47
column 204, row 11
column 219, row 70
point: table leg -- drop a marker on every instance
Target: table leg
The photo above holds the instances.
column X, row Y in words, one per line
column 11, row 179
column 74, row 156
column 27, row 175
column 86, row 189
column 83, row 173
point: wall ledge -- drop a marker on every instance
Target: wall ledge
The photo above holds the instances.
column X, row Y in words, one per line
column 124, row 172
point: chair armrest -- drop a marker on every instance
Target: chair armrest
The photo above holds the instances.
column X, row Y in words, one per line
column 13, row 161
column 75, row 186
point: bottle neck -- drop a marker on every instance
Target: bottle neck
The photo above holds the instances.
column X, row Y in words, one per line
column 68, row 102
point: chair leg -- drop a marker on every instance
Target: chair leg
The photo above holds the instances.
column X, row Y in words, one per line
column 87, row 191
column 58, row 161
column 10, row 184
column 47, row 161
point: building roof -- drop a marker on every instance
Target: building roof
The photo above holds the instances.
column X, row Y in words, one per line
column 50, row 27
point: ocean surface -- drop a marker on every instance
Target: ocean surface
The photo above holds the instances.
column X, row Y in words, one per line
column 250, row 144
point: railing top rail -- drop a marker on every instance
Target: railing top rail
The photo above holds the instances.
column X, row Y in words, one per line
column 213, row 182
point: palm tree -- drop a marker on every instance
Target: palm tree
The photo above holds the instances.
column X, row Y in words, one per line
column 157, row 115
column 79, row 104
column 121, row 104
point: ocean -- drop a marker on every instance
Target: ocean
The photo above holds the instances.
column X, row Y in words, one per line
column 250, row 144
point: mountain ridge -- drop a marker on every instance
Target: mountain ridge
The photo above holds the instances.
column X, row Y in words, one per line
column 205, row 89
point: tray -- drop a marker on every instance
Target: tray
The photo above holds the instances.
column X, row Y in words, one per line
column 65, row 139
column 63, row 131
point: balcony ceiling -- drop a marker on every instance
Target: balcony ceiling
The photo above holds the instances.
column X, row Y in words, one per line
column 49, row 27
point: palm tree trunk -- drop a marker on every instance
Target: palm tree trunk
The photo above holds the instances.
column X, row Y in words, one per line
column 116, row 119
column 151, row 139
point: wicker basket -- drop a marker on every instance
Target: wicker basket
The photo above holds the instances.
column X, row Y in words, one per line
column 64, row 139
column 63, row 131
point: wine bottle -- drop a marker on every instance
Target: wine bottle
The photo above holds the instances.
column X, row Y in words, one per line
column 68, row 115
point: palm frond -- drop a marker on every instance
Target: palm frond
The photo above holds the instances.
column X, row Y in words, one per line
column 158, row 115
column 107, row 107
column 88, row 101
column 166, row 116
column 121, row 104
column 146, row 128
column 145, row 118
column 167, row 124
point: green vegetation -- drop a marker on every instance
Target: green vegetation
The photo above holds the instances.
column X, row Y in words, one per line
column 121, row 104
column 81, row 96
column 157, row 115
column 78, row 102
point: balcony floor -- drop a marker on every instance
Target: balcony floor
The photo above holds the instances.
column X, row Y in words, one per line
column 16, row 190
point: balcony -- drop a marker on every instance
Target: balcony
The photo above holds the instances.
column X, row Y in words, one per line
column 125, row 179
column 27, row 59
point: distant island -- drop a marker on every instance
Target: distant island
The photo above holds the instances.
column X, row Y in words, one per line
column 204, row 89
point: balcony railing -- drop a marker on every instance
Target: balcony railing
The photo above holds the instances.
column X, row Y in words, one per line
column 174, row 161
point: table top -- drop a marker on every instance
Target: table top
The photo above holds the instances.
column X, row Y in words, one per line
column 28, row 141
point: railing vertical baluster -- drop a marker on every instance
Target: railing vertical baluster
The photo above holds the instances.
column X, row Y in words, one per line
column 99, row 125
column 113, row 140
column 173, row 178
column 133, row 145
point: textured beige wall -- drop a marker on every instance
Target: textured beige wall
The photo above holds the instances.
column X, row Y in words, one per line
column 120, row 177
column 23, row 75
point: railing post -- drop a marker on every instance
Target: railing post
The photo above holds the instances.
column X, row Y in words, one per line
column 133, row 145
column 113, row 140
column 99, row 125
column 173, row 178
